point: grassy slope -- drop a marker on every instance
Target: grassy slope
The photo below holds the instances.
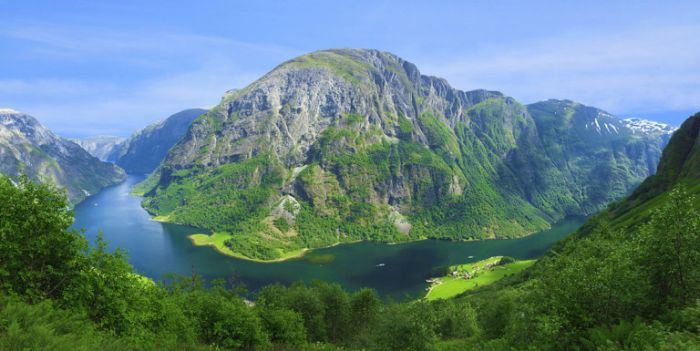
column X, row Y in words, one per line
column 453, row 286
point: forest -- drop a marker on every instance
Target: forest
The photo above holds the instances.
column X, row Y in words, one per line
column 603, row 288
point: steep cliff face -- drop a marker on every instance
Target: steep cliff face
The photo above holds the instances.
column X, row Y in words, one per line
column 142, row 152
column 30, row 148
column 104, row 147
column 363, row 146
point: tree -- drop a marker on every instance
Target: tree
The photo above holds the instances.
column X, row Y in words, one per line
column 671, row 244
column 406, row 327
column 284, row 326
column 336, row 311
column 39, row 254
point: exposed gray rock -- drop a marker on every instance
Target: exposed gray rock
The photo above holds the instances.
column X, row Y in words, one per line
column 28, row 147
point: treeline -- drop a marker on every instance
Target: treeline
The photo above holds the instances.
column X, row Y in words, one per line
column 603, row 289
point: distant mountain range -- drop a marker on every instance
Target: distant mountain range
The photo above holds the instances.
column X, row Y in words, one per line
column 144, row 150
column 27, row 147
column 104, row 147
column 351, row 144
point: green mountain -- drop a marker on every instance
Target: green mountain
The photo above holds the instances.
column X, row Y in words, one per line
column 143, row 151
column 679, row 165
column 629, row 279
column 28, row 147
column 350, row 144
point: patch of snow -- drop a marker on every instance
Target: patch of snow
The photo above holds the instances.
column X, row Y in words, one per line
column 648, row 127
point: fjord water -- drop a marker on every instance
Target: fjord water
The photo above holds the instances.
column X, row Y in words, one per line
column 156, row 249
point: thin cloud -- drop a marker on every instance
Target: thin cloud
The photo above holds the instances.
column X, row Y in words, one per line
column 81, row 40
column 639, row 69
column 178, row 71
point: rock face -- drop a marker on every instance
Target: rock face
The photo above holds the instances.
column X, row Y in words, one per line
column 28, row 147
column 372, row 149
column 143, row 151
column 104, row 147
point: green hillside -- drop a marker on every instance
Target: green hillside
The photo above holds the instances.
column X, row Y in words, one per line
column 389, row 155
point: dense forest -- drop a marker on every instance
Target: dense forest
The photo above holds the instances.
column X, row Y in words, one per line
column 605, row 288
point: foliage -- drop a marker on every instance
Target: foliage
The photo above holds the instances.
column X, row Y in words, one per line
column 39, row 255
column 605, row 288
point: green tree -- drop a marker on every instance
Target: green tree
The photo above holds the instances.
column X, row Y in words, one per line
column 285, row 327
column 336, row 311
column 365, row 308
column 407, row 327
column 39, row 255
column 671, row 244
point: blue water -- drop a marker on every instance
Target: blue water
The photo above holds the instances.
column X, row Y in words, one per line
column 156, row 249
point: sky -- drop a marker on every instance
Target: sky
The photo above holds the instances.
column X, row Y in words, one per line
column 111, row 67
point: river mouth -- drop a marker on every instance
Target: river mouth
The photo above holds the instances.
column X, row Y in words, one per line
column 394, row 270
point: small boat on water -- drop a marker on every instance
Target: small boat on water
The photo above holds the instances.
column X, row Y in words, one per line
column 381, row 265
column 470, row 257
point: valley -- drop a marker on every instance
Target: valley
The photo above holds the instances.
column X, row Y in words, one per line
column 156, row 249
column 345, row 145
column 349, row 175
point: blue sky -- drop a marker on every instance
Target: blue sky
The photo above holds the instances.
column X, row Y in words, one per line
column 110, row 67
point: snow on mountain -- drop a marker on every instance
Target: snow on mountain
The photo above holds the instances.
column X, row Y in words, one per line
column 648, row 127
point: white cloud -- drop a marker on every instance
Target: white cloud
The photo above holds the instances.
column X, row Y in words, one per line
column 128, row 109
column 635, row 70
column 176, row 71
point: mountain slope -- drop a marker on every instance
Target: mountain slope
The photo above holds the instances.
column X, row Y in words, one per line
column 104, row 147
column 143, row 151
column 627, row 279
column 680, row 164
column 353, row 144
column 30, row 148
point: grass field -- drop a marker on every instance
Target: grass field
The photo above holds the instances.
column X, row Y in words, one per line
column 451, row 286
column 217, row 240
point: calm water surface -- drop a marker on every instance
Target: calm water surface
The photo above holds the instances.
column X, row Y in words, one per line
column 156, row 249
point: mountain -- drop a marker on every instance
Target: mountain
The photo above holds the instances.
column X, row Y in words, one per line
column 680, row 164
column 28, row 147
column 143, row 151
column 104, row 147
column 352, row 144
column 649, row 127
column 645, row 126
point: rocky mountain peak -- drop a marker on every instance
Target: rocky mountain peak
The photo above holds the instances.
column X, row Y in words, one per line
column 285, row 111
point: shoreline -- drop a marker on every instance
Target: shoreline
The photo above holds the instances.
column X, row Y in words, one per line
column 199, row 240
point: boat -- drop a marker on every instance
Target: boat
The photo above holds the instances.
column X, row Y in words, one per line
column 381, row 265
